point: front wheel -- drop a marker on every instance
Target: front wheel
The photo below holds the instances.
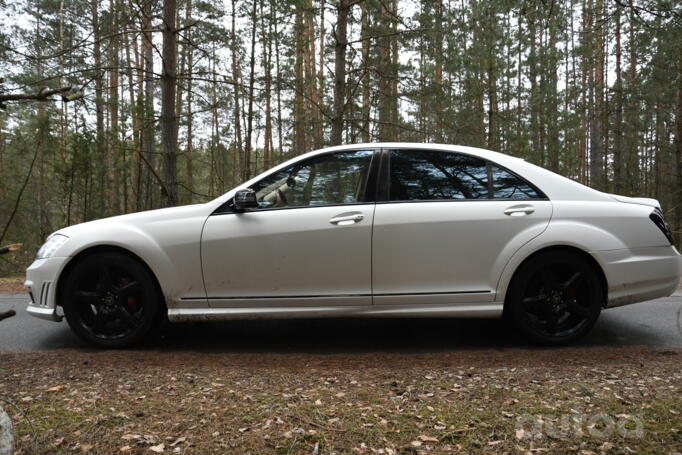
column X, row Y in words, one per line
column 555, row 298
column 111, row 300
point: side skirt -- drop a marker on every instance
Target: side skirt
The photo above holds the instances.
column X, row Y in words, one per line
column 488, row 310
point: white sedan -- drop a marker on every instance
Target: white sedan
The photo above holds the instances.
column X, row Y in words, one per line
column 368, row 230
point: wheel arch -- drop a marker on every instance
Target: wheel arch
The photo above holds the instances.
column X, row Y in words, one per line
column 567, row 248
column 97, row 249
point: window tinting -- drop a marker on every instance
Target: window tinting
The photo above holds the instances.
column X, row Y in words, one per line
column 509, row 186
column 429, row 175
column 433, row 175
column 331, row 179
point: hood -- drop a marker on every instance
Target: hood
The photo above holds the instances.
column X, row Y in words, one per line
column 140, row 218
column 636, row 200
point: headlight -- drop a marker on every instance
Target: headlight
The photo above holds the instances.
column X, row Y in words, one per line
column 51, row 245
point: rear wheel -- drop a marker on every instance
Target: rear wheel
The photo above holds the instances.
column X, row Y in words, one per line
column 111, row 300
column 555, row 298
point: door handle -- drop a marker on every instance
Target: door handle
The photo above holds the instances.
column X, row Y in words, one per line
column 519, row 210
column 345, row 219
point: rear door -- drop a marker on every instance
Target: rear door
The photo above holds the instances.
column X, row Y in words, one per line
column 448, row 225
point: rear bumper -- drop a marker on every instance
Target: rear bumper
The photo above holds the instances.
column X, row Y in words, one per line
column 41, row 280
column 640, row 274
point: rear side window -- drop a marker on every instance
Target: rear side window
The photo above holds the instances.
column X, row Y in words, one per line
column 425, row 175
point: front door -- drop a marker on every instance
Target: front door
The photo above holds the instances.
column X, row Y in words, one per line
column 308, row 243
column 450, row 224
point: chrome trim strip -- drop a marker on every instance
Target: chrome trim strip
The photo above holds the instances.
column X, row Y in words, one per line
column 322, row 296
column 492, row 310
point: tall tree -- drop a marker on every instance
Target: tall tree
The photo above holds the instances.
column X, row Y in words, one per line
column 340, row 35
column 169, row 121
column 598, row 129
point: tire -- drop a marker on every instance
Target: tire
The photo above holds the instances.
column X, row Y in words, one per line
column 555, row 298
column 111, row 300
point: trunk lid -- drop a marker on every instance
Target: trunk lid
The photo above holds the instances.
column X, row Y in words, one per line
column 636, row 200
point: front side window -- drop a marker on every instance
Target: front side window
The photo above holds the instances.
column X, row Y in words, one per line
column 331, row 179
column 428, row 175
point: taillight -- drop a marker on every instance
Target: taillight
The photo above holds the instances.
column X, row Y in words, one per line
column 657, row 217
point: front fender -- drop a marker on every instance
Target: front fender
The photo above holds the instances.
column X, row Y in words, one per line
column 169, row 245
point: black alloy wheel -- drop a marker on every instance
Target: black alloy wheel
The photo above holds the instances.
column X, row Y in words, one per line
column 111, row 300
column 555, row 298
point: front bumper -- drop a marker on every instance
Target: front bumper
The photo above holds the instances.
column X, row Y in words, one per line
column 41, row 280
column 640, row 274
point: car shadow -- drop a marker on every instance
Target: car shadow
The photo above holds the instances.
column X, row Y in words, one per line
column 336, row 335
column 372, row 335
column 657, row 324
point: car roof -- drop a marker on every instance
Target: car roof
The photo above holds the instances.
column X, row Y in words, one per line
column 483, row 153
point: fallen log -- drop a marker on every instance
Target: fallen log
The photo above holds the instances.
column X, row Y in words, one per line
column 7, row 314
column 9, row 248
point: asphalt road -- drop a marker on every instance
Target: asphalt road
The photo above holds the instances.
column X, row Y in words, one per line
column 657, row 323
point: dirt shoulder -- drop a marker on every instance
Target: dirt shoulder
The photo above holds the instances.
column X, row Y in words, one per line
column 12, row 285
column 594, row 400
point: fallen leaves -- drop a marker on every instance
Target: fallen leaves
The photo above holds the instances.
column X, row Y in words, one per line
column 218, row 407
column 424, row 438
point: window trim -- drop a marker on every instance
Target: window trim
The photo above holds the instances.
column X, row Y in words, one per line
column 386, row 175
column 368, row 194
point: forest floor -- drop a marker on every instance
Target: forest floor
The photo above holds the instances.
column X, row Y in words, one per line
column 588, row 400
column 530, row 401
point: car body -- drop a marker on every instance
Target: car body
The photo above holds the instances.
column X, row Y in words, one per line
column 375, row 230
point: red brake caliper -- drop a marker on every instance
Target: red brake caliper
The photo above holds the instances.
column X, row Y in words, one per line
column 132, row 301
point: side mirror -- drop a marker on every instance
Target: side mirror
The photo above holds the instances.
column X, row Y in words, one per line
column 245, row 200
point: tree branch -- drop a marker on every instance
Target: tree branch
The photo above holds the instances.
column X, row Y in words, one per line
column 41, row 95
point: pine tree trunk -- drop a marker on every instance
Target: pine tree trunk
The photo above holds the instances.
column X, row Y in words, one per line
column 138, row 103
column 364, row 33
column 99, row 101
column 236, row 78
column 534, row 95
column 383, row 70
column 266, row 32
column 299, row 109
column 135, row 123
column 597, row 150
column 246, row 168
column 394, row 103
column 552, row 111
column 314, row 104
column 149, row 121
column 492, row 87
column 677, row 200
column 342, row 11
column 189, row 166
column 114, row 148
column 632, row 113
column 320, row 76
column 618, row 114
column 169, row 121
column 438, row 71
